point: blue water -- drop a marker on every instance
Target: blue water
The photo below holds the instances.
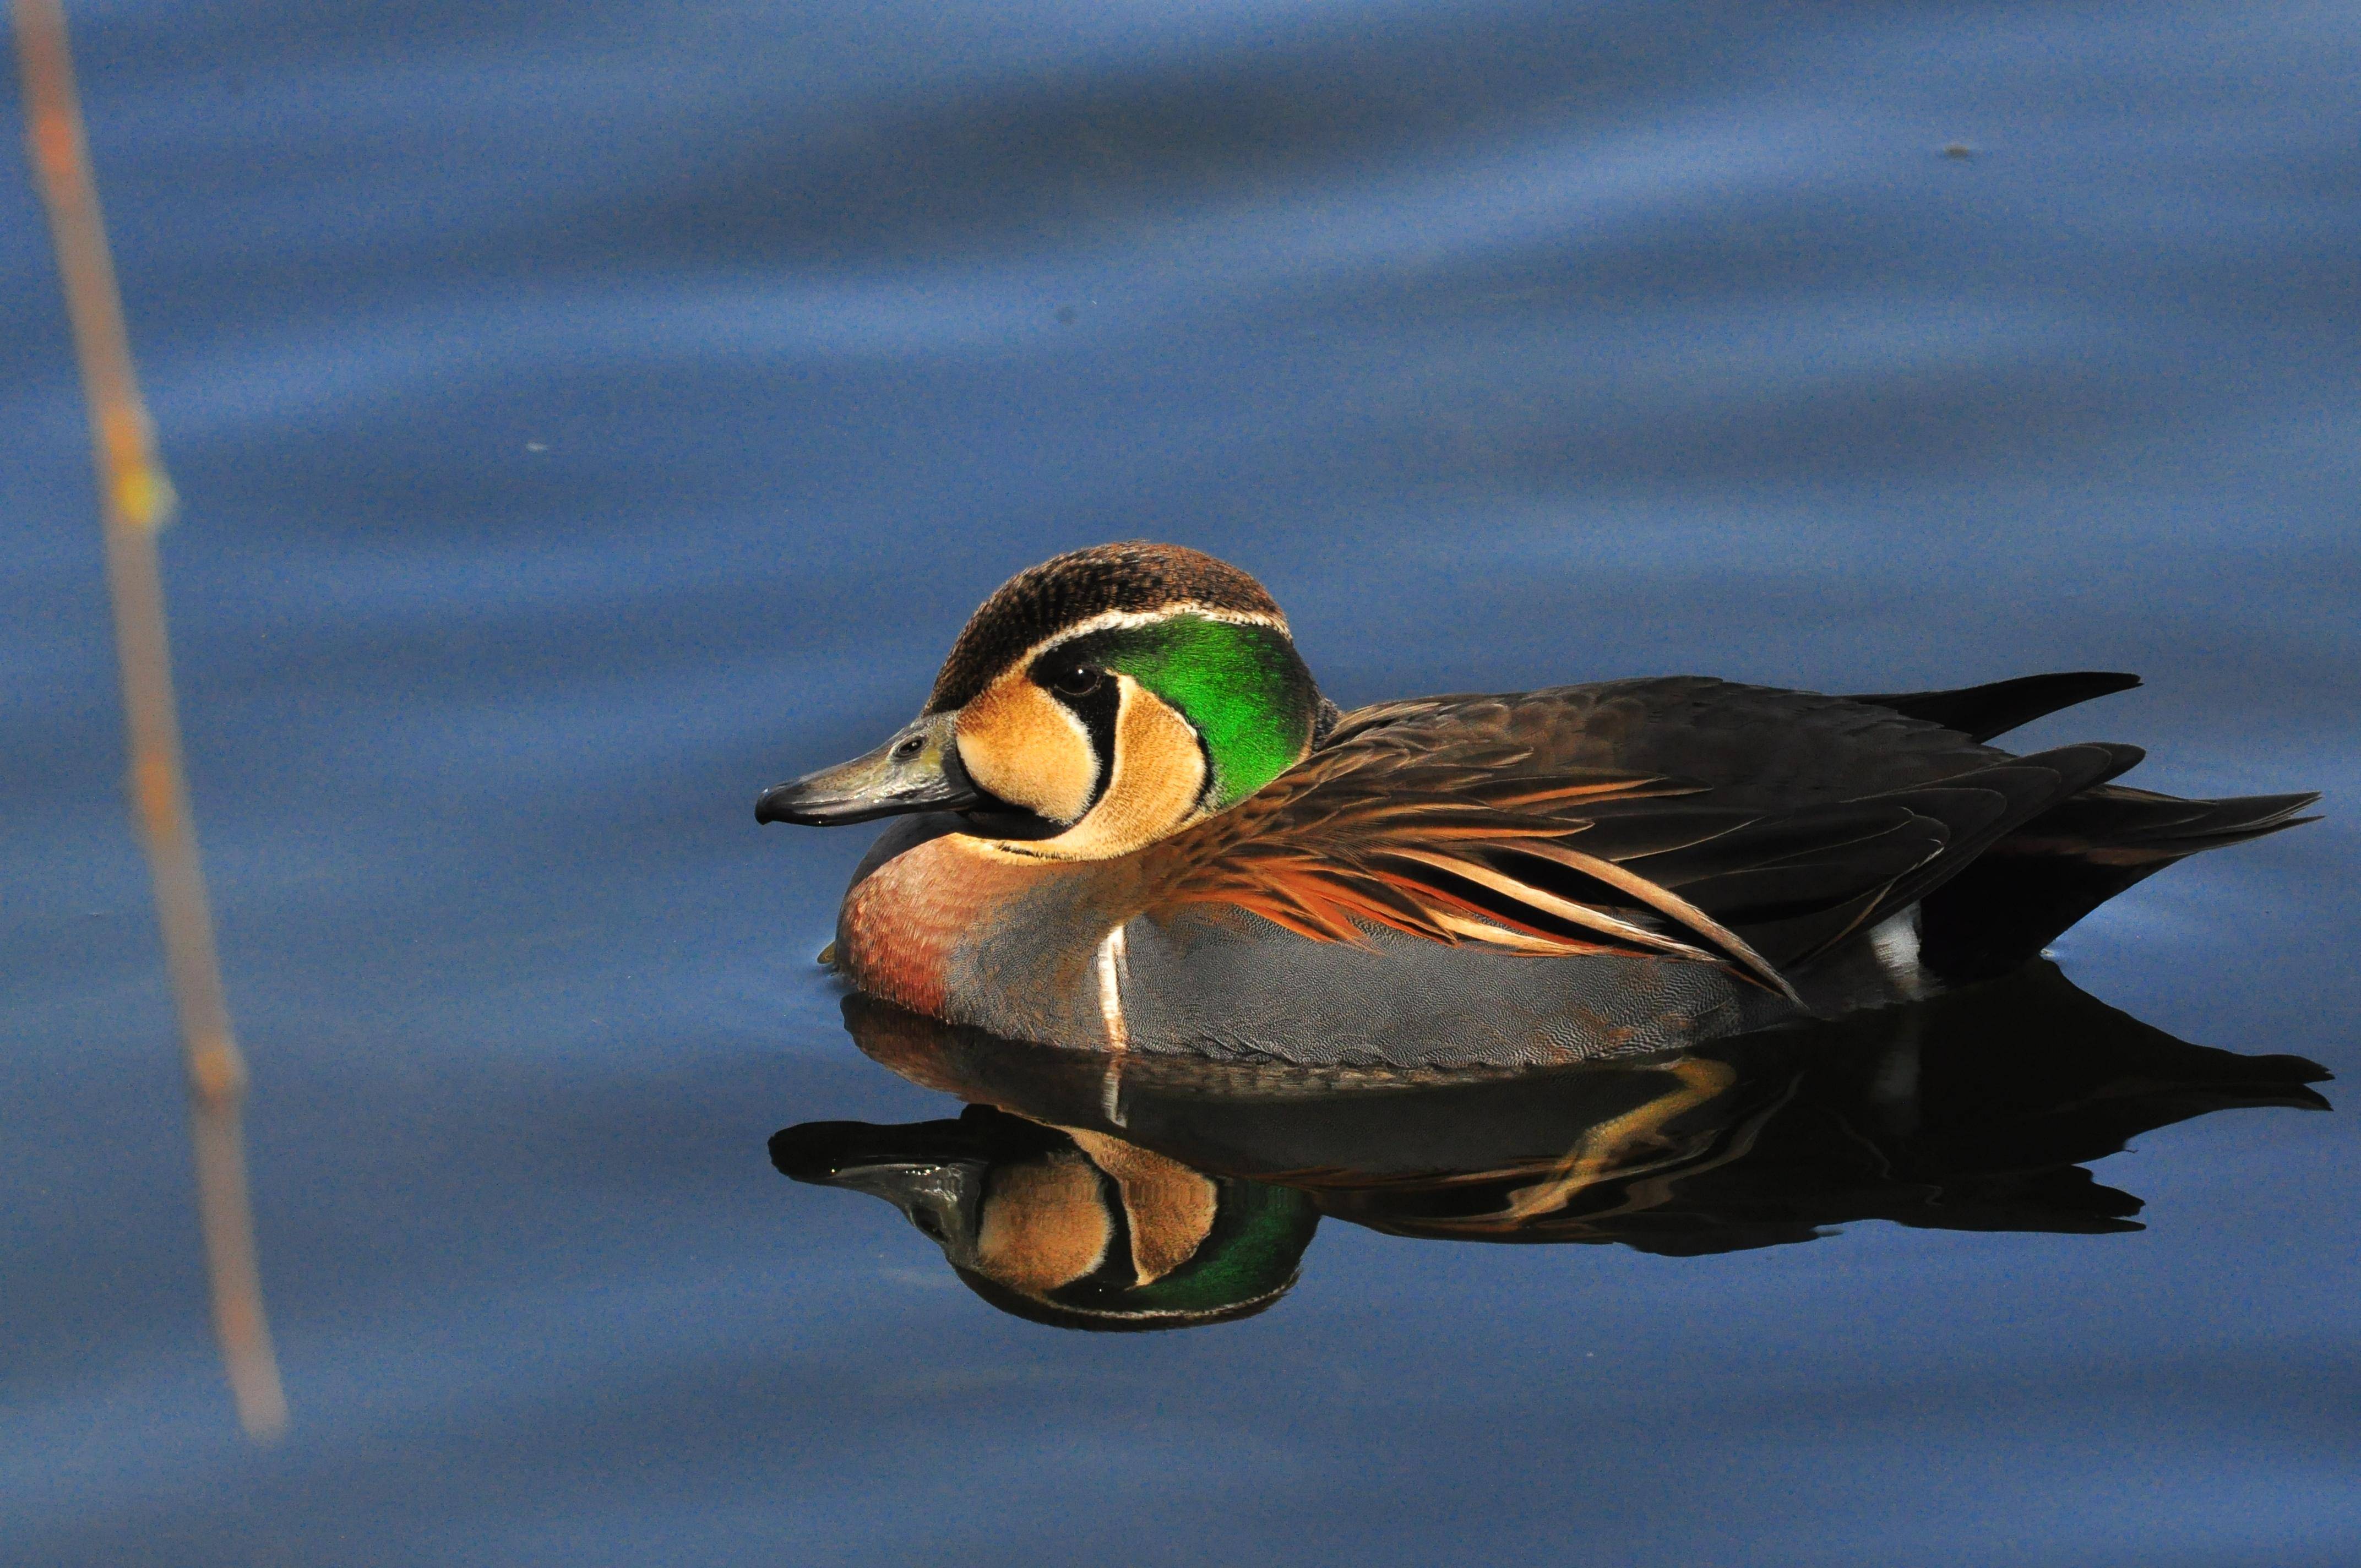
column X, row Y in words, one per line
column 587, row 415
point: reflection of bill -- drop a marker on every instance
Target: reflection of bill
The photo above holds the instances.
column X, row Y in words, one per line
column 1098, row 1192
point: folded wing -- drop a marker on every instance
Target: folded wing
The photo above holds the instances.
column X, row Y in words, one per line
column 1414, row 820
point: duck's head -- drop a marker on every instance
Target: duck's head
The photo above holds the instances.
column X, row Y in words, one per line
column 1095, row 704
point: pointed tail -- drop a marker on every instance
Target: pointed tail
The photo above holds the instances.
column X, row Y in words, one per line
column 2033, row 884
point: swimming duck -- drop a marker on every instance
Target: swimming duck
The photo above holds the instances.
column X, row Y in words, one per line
column 1135, row 825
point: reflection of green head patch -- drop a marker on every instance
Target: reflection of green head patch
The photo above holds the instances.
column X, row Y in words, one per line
column 1244, row 688
column 1252, row 1252
column 1245, row 1264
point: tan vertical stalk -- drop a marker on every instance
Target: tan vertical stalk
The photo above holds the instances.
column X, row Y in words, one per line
column 134, row 500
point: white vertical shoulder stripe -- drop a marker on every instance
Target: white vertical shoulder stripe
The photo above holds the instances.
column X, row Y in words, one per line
column 1895, row 941
column 1114, row 960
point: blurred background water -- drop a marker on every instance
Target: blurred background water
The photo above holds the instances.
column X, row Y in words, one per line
column 587, row 415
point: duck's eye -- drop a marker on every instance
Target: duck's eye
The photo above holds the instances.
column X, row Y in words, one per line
column 1075, row 679
column 909, row 748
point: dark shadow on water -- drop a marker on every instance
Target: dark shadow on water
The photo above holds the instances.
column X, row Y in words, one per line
column 1093, row 1191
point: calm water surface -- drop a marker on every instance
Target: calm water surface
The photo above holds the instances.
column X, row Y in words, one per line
column 590, row 415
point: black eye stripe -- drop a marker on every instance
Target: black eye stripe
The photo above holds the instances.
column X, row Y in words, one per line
column 1077, row 682
column 1067, row 675
column 1096, row 706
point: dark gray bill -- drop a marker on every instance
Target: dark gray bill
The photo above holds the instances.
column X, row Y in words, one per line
column 917, row 770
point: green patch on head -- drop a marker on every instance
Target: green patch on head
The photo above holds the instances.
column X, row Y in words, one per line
column 1244, row 688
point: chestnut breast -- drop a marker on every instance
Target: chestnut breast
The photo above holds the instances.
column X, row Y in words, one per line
column 968, row 930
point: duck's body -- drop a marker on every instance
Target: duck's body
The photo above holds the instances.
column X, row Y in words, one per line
column 1187, row 852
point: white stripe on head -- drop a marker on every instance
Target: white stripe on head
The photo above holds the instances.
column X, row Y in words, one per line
column 1110, row 620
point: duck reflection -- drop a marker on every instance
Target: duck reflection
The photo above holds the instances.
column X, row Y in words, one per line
column 1068, row 1225
column 1113, row 1192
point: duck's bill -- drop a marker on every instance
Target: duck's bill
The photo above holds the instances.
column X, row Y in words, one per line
column 917, row 770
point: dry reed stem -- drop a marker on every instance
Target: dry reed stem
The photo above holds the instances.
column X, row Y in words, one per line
column 136, row 500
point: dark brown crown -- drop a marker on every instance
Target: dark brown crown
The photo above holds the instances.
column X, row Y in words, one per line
column 1042, row 600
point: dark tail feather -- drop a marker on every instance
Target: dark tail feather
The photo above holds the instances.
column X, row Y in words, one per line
column 1948, row 823
column 2038, row 881
column 2117, row 825
column 1981, row 712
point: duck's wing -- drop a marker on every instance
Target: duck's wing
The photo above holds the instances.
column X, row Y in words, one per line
column 1549, row 823
column 1981, row 712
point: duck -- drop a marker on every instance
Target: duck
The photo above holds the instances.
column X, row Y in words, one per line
column 1129, row 823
